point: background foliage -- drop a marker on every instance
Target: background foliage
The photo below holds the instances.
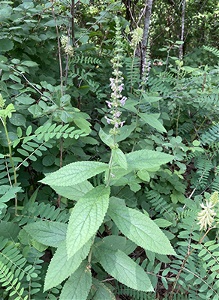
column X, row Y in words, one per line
column 88, row 211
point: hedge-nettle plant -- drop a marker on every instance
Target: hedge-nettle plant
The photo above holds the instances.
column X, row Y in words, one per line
column 116, row 84
column 80, row 242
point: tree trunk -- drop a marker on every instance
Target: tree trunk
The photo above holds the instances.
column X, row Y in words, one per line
column 182, row 29
column 145, row 35
column 73, row 21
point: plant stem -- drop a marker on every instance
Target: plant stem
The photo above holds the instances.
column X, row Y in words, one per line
column 11, row 159
column 110, row 165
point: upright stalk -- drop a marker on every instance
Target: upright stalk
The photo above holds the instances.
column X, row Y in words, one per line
column 145, row 35
column 3, row 120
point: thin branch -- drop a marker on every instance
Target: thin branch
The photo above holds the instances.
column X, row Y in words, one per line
column 59, row 50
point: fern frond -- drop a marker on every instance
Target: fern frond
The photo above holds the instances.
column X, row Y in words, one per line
column 208, row 102
column 6, row 171
column 88, row 60
column 211, row 135
column 10, row 283
column 14, row 270
column 194, row 155
column 186, row 128
column 133, row 294
column 159, row 204
column 212, row 50
column 35, row 211
column 162, row 85
column 132, row 67
column 215, row 184
column 43, row 138
column 204, row 167
column 194, row 276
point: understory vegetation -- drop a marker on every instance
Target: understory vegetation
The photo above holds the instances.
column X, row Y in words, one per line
column 109, row 150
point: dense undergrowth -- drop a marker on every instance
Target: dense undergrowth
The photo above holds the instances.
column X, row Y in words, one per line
column 109, row 180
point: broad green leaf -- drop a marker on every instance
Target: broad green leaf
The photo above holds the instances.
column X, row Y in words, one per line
column 24, row 99
column 119, row 158
column 123, row 268
column 147, row 159
column 38, row 246
column 151, row 119
column 18, row 120
column 61, row 267
column 78, row 285
column 100, row 292
column 144, row 175
column 106, row 138
column 47, row 232
column 125, row 132
column 6, row 45
column 139, row 228
column 83, row 124
column 29, row 63
column 86, row 218
column 118, row 177
column 74, row 192
column 119, row 242
column 150, row 99
column 9, row 230
column 75, row 173
column 53, row 23
column 162, row 223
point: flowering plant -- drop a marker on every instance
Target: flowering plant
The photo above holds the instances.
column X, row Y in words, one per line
column 206, row 216
column 117, row 100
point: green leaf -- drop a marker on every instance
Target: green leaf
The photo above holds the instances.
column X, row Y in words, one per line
column 74, row 192
column 125, row 132
column 139, row 228
column 8, row 192
column 47, row 232
column 24, row 99
column 123, row 268
column 6, row 45
column 143, row 175
column 106, row 138
column 53, row 23
column 75, row 173
column 151, row 119
column 120, row 158
column 78, row 285
column 83, row 124
column 100, row 292
column 9, row 230
column 29, row 63
column 150, row 99
column 119, row 242
column 29, row 130
column 86, row 218
column 162, row 223
column 147, row 159
column 61, row 267
column 18, row 120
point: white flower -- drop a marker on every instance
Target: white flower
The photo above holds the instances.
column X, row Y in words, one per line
column 206, row 216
